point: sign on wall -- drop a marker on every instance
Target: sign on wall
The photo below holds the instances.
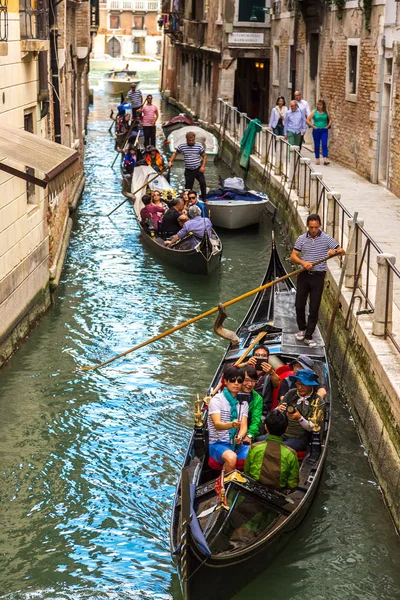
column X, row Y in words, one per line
column 246, row 38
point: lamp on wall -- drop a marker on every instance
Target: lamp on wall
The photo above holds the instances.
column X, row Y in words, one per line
column 259, row 65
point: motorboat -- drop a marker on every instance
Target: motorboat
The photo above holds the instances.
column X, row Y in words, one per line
column 116, row 81
column 135, row 62
column 204, row 137
column 177, row 122
column 232, row 206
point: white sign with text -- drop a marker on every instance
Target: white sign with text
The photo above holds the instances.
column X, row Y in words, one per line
column 246, row 38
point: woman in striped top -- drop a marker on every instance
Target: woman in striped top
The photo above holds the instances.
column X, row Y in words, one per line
column 227, row 422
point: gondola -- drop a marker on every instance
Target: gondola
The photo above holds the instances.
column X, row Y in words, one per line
column 215, row 558
column 192, row 254
column 177, row 122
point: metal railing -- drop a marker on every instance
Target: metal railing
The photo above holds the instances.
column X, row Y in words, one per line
column 134, row 5
column 3, row 21
column 34, row 19
column 306, row 188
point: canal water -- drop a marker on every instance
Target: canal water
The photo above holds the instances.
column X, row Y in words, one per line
column 89, row 461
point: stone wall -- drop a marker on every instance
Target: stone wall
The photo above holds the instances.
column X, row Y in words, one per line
column 394, row 141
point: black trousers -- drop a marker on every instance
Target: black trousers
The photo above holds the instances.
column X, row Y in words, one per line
column 149, row 136
column 190, row 176
column 309, row 285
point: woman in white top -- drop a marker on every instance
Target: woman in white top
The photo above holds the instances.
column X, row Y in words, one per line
column 278, row 114
column 227, row 422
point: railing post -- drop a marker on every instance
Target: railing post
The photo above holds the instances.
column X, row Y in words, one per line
column 314, row 191
column 242, row 124
column 278, row 155
column 332, row 214
column 232, row 118
column 293, row 174
column 352, row 262
column 303, row 176
column 383, row 319
column 264, row 145
column 220, row 116
column 270, row 142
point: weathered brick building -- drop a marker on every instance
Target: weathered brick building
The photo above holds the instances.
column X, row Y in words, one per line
column 216, row 50
column 44, row 64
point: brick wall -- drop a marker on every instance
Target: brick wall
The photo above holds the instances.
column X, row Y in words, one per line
column 394, row 172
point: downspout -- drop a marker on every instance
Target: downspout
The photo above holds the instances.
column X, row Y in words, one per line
column 294, row 47
column 378, row 139
column 54, row 71
column 43, row 96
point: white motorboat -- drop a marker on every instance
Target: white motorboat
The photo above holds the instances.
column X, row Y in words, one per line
column 234, row 207
column 116, row 81
column 135, row 62
column 207, row 139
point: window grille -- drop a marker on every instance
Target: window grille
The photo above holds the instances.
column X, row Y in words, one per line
column 3, row 21
column 34, row 21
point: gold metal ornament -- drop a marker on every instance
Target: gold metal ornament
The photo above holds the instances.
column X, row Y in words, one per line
column 198, row 415
column 317, row 415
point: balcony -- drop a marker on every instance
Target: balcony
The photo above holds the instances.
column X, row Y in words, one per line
column 34, row 25
column 134, row 5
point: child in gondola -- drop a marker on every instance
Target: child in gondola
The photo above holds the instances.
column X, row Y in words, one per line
column 130, row 160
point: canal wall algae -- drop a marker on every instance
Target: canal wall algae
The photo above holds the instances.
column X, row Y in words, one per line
column 367, row 367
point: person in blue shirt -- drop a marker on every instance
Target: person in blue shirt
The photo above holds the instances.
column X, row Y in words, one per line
column 295, row 124
column 194, row 201
column 130, row 160
column 196, row 224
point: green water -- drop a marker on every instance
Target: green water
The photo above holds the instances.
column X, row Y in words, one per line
column 89, row 460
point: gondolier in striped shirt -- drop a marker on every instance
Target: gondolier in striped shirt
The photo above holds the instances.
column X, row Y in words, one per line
column 195, row 159
column 135, row 98
column 308, row 248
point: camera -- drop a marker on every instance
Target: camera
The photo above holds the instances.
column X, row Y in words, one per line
column 243, row 397
column 291, row 409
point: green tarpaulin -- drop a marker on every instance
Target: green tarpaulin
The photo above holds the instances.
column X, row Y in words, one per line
column 247, row 143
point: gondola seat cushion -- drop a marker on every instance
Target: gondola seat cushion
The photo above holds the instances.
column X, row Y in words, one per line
column 283, row 371
column 216, row 466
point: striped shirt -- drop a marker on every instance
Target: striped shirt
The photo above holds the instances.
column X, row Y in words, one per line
column 135, row 98
column 220, row 405
column 313, row 249
column 192, row 155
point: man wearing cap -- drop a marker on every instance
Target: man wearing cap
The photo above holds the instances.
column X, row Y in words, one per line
column 196, row 224
column 309, row 248
column 301, row 362
column 301, row 398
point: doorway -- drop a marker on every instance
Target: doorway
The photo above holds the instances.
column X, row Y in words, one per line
column 252, row 87
column 114, row 47
column 384, row 142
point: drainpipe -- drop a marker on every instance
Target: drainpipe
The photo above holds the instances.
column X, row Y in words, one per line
column 54, row 71
column 43, row 95
column 294, row 48
column 378, row 139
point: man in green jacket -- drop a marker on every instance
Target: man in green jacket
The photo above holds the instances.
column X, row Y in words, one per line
column 270, row 462
column 255, row 405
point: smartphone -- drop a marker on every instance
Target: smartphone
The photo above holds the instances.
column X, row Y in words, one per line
column 259, row 362
column 243, row 397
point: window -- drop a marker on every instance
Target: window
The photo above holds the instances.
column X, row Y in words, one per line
column 3, row 21
column 291, row 64
column 353, row 57
column 136, row 46
column 30, row 186
column 114, row 21
column 275, row 66
column 158, row 47
column 138, row 22
column 249, row 11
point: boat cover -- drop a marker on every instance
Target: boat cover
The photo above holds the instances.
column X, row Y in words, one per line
column 229, row 194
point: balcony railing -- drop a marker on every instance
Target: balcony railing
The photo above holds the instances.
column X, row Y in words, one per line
column 3, row 21
column 134, row 5
column 34, row 22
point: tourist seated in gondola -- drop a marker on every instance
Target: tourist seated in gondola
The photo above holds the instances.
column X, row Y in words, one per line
column 267, row 377
column 196, row 224
column 301, row 362
column 130, row 160
column 193, row 200
column 227, row 422
column 303, row 399
column 149, row 211
column 271, row 462
column 154, row 159
column 173, row 219
column 123, row 123
column 156, row 199
column 255, row 416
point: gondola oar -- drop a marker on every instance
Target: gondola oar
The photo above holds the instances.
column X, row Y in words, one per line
column 206, row 314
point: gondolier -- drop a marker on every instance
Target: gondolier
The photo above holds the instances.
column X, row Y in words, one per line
column 135, row 99
column 308, row 248
column 195, row 158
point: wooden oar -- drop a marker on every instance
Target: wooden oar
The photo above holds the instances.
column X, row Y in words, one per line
column 205, row 314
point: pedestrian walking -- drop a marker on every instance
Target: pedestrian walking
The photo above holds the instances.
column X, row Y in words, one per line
column 195, row 159
column 278, row 114
column 321, row 122
column 135, row 98
column 295, row 124
column 150, row 116
column 304, row 107
column 308, row 248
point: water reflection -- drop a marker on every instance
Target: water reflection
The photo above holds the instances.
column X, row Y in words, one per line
column 89, row 461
